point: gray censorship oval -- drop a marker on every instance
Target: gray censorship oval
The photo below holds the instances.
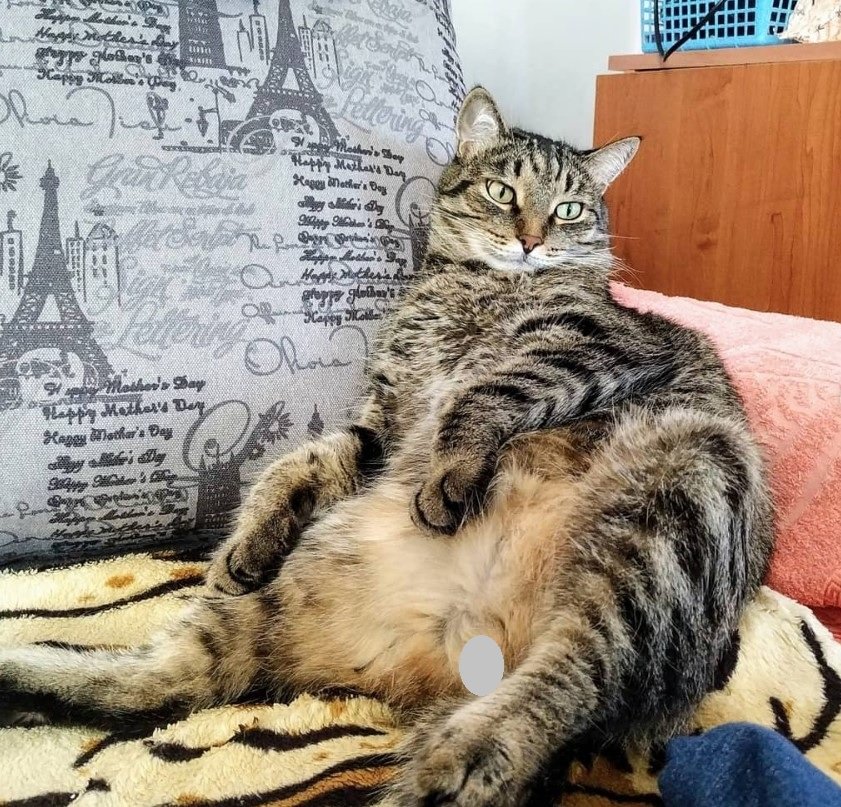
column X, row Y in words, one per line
column 481, row 665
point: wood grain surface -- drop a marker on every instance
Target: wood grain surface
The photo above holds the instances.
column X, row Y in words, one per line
column 735, row 195
column 788, row 52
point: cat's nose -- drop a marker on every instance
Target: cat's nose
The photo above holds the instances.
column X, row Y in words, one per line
column 529, row 242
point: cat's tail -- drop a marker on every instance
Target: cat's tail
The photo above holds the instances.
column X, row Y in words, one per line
column 211, row 655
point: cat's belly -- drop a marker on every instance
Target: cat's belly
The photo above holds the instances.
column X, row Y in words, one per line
column 375, row 604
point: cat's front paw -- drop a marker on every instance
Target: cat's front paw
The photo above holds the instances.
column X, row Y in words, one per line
column 454, row 491
column 464, row 763
column 249, row 559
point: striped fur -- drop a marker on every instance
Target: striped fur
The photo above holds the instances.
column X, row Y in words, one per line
column 533, row 463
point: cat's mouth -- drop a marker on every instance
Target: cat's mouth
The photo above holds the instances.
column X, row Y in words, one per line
column 508, row 262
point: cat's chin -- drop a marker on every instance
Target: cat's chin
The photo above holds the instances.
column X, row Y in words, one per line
column 522, row 265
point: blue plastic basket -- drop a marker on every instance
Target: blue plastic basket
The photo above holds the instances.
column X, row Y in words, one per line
column 738, row 24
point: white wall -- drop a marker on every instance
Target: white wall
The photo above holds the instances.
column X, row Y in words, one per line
column 540, row 58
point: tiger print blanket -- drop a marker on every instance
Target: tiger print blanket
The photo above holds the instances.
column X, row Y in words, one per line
column 324, row 751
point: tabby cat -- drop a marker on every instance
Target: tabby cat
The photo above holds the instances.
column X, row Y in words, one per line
column 533, row 462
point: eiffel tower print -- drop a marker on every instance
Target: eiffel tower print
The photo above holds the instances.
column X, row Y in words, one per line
column 48, row 316
column 288, row 88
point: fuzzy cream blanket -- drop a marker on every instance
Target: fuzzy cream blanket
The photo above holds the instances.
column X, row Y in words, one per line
column 328, row 751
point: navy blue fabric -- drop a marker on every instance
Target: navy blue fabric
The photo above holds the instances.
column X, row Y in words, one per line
column 742, row 765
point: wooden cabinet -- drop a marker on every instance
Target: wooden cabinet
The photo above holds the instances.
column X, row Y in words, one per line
column 735, row 195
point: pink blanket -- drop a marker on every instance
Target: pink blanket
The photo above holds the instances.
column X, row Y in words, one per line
column 788, row 370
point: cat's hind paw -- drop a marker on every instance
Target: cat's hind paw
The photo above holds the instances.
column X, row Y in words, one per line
column 463, row 763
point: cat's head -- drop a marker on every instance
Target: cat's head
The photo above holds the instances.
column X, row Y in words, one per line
column 519, row 202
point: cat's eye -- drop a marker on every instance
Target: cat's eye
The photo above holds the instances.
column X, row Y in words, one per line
column 569, row 211
column 501, row 193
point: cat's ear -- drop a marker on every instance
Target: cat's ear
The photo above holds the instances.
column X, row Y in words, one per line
column 606, row 163
column 479, row 123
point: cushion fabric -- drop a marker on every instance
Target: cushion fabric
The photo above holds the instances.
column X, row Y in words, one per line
column 205, row 207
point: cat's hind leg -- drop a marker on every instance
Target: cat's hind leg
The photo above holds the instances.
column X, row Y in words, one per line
column 668, row 540
column 211, row 655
